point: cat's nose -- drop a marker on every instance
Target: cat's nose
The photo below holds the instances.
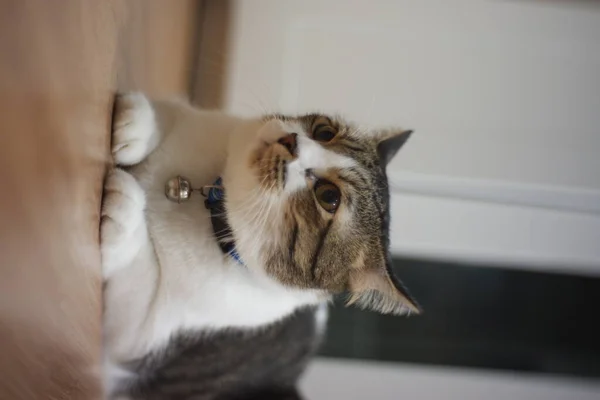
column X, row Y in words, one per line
column 290, row 142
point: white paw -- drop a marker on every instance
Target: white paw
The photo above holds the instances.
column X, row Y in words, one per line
column 122, row 227
column 134, row 126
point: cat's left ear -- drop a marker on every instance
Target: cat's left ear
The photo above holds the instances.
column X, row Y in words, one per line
column 377, row 289
column 390, row 142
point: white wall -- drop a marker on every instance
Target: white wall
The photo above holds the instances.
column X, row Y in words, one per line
column 359, row 380
column 504, row 97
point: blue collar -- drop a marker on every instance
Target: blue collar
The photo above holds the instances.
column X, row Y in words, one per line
column 216, row 205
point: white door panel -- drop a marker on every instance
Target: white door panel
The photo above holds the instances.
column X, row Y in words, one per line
column 353, row 380
column 472, row 231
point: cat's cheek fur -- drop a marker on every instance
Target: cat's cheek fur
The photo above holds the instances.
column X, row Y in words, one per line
column 254, row 213
column 243, row 195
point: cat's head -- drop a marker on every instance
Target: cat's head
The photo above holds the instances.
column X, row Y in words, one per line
column 308, row 202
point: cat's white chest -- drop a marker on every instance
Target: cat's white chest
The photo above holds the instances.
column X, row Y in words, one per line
column 199, row 287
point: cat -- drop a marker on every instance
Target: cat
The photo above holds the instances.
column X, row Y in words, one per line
column 226, row 298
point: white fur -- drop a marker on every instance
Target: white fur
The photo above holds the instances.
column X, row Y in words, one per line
column 135, row 132
column 163, row 269
column 312, row 155
column 321, row 318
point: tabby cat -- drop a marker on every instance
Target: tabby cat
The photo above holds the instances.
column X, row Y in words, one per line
column 226, row 298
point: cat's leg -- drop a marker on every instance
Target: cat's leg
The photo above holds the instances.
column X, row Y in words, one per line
column 123, row 230
column 140, row 124
column 130, row 273
column 135, row 129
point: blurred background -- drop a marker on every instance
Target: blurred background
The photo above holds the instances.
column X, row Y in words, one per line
column 495, row 199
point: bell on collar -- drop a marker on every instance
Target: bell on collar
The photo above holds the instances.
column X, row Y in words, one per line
column 178, row 189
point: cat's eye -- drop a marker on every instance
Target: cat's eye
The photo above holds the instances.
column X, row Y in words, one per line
column 324, row 133
column 328, row 195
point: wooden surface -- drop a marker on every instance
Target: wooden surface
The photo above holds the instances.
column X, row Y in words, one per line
column 60, row 66
column 157, row 46
column 209, row 86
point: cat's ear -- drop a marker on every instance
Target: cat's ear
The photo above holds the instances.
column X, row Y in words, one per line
column 379, row 290
column 390, row 142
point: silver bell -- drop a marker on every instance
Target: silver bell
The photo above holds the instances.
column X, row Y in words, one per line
column 178, row 189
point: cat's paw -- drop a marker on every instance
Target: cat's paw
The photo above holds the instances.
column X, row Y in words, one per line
column 122, row 227
column 134, row 125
